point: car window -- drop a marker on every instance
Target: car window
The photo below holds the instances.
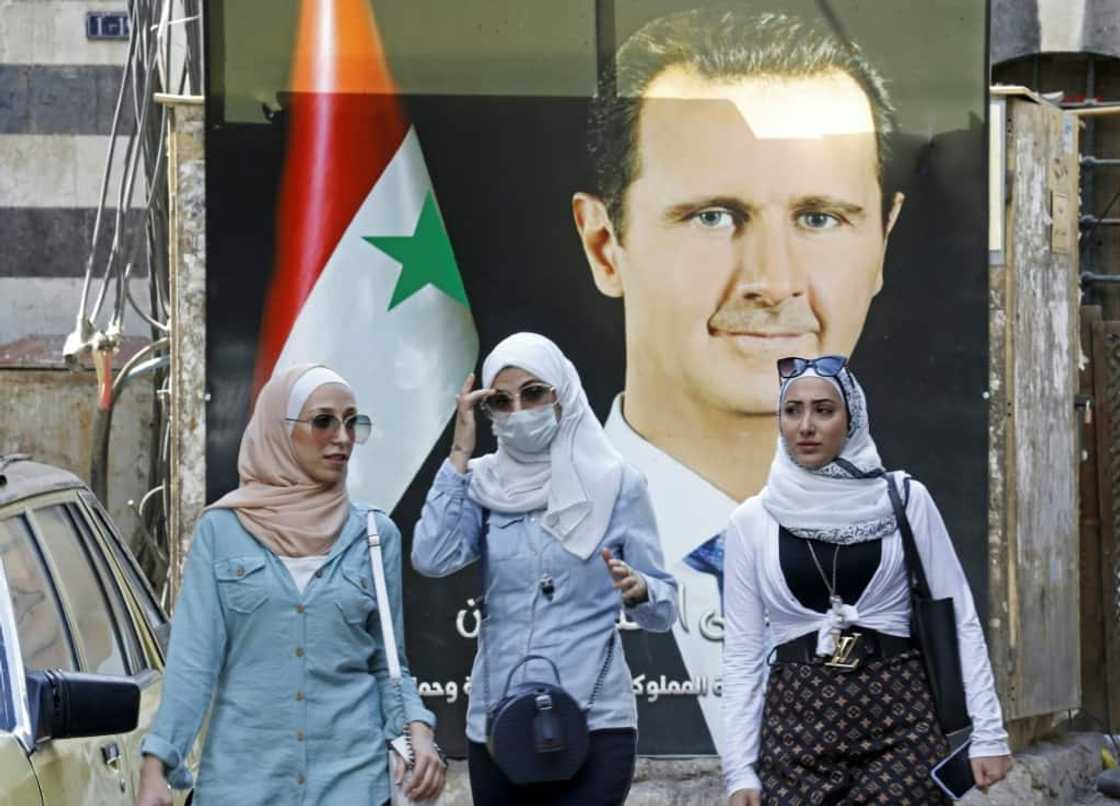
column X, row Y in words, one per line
column 7, row 701
column 157, row 619
column 93, row 623
column 43, row 638
column 118, row 608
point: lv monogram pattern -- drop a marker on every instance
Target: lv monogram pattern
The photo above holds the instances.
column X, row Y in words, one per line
column 864, row 736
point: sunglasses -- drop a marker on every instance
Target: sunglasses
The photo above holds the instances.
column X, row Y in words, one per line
column 358, row 426
column 828, row 366
column 532, row 396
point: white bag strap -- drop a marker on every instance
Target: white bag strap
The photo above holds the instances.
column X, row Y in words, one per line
column 373, row 536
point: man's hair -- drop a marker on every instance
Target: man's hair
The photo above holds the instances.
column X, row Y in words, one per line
column 718, row 45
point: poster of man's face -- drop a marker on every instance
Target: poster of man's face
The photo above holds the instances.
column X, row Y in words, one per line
column 679, row 194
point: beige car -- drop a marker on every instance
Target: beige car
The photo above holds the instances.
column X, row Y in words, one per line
column 82, row 643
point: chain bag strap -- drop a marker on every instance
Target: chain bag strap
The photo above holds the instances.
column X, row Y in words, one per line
column 539, row 734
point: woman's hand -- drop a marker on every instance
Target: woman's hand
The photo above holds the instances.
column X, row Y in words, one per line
column 626, row 579
column 463, row 442
column 987, row 770
column 154, row 790
column 745, row 797
column 428, row 772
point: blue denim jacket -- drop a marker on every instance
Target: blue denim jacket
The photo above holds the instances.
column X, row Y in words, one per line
column 575, row 626
column 297, row 686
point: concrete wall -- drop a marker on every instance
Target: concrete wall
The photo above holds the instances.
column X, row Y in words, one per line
column 48, row 413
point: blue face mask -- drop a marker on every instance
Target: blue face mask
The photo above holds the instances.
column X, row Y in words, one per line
column 529, row 430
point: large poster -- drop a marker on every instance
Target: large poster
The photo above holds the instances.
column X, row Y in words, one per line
column 677, row 193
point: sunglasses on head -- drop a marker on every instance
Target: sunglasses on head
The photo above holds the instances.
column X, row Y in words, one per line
column 358, row 426
column 828, row 366
column 532, row 396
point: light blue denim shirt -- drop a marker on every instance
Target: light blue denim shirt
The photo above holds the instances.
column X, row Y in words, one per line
column 297, row 685
column 576, row 625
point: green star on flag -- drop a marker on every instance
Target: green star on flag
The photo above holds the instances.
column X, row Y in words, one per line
column 425, row 257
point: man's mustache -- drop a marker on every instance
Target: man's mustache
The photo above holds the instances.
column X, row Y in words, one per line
column 794, row 317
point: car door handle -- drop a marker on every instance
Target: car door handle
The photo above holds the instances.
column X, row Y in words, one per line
column 111, row 754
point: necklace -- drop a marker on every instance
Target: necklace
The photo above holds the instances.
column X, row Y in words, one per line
column 833, row 598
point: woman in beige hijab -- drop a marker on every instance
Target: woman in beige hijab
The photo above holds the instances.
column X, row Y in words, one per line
column 275, row 631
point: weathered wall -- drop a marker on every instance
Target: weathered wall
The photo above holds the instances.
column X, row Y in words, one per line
column 49, row 414
column 1034, row 541
column 186, row 165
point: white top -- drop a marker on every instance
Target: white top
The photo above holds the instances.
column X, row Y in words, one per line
column 303, row 568
column 689, row 510
column 754, row 587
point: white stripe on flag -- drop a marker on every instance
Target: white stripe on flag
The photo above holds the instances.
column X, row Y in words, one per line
column 405, row 365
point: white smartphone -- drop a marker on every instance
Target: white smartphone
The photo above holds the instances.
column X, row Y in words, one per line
column 954, row 773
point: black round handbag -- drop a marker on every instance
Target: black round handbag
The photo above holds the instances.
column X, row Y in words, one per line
column 538, row 734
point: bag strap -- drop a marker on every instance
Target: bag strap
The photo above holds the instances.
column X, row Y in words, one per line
column 481, row 599
column 919, row 586
column 388, row 637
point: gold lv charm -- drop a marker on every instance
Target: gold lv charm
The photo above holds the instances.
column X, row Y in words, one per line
column 842, row 657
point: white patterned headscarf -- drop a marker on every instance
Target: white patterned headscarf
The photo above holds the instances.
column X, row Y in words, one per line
column 846, row 500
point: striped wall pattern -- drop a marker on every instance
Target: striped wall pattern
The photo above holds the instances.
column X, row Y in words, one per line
column 1026, row 27
column 58, row 91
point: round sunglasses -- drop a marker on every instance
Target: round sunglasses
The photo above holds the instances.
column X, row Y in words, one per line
column 531, row 395
column 358, row 426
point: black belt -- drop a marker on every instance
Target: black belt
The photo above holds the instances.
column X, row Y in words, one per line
column 856, row 644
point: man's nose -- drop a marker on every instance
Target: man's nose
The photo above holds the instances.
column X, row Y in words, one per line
column 769, row 273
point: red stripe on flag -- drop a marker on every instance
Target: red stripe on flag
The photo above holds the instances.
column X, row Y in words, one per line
column 345, row 125
column 338, row 146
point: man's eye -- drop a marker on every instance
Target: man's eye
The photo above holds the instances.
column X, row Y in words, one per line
column 714, row 218
column 818, row 221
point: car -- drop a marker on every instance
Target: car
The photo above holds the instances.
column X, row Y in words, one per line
column 82, row 645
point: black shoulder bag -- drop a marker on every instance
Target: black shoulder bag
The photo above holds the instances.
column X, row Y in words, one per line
column 539, row 733
column 933, row 625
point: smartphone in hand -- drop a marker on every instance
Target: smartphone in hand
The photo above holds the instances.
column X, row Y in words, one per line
column 954, row 773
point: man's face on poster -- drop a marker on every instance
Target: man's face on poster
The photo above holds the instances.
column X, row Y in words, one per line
column 755, row 229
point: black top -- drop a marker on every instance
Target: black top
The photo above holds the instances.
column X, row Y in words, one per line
column 855, row 565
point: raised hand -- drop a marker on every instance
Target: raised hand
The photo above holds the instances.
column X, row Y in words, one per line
column 626, row 579
column 463, row 442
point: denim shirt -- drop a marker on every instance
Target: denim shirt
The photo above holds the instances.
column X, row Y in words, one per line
column 575, row 625
column 297, row 686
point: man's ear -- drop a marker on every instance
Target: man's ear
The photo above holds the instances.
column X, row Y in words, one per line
column 600, row 243
column 892, row 218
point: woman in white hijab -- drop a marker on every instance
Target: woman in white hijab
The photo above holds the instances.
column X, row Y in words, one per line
column 840, row 719
column 568, row 532
column 275, row 637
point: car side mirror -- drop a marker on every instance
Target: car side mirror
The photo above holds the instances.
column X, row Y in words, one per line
column 71, row 705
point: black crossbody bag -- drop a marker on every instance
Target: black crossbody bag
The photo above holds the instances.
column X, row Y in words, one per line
column 539, row 733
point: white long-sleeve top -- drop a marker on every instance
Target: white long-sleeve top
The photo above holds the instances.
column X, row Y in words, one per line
column 755, row 588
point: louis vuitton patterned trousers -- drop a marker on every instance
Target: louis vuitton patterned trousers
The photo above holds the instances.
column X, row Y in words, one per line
column 845, row 737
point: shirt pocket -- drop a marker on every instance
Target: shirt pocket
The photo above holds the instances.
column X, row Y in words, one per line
column 507, row 538
column 242, row 583
column 356, row 598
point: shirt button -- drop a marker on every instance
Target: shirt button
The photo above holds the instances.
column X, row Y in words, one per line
column 299, row 652
column 299, row 608
column 299, row 696
column 550, row 518
column 240, row 571
column 363, row 582
column 299, row 779
column 319, row 573
column 299, row 735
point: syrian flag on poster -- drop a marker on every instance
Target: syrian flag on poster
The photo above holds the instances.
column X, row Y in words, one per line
column 365, row 279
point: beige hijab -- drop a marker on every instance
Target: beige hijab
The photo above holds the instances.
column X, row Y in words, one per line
column 278, row 503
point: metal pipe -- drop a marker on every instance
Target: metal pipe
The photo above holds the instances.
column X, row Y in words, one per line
column 1089, row 278
column 1092, row 220
column 1090, row 161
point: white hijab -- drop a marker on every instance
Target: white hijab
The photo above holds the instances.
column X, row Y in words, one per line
column 844, row 502
column 576, row 479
